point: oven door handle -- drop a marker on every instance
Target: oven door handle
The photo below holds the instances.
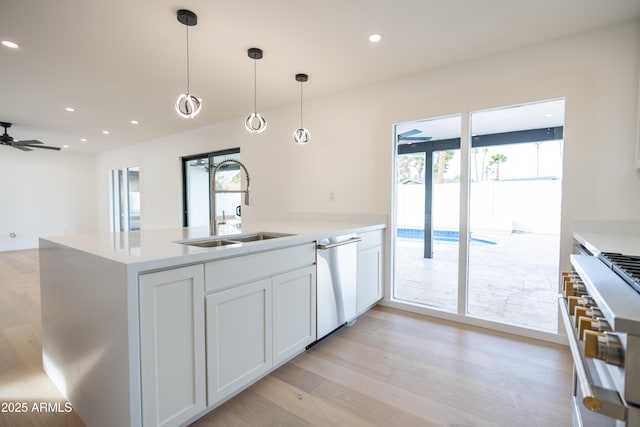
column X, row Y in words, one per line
column 594, row 397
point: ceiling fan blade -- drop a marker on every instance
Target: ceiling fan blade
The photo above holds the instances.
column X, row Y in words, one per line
column 20, row 147
column 416, row 138
column 48, row 147
column 27, row 142
column 408, row 133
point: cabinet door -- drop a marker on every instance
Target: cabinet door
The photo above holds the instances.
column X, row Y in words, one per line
column 238, row 338
column 172, row 347
column 369, row 281
column 294, row 312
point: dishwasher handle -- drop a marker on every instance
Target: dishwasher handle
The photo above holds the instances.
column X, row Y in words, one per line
column 333, row 245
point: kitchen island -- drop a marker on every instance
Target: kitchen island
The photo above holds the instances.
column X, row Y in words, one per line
column 140, row 328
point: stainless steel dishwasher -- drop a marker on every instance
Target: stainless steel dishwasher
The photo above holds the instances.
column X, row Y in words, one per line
column 336, row 275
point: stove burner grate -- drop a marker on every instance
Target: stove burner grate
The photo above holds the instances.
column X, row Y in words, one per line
column 625, row 266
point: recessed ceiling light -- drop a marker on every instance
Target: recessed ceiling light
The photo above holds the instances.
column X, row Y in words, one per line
column 83, row 139
column 9, row 43
column 106, row 132
column 375, row 38
column 134, row 122
column 70, row 109
column 65, row 146
column 548, row 115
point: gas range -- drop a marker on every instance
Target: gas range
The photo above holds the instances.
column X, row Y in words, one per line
column 600, row 307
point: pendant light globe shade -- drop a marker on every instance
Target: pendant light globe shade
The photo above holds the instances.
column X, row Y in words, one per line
column 255, row 122
column 301, row 136
column 188, row 106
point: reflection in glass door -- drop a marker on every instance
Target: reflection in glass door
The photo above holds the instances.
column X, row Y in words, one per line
column 427, row 212
column 197, row 188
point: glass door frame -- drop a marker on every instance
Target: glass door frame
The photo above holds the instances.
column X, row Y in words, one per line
column 120, row 199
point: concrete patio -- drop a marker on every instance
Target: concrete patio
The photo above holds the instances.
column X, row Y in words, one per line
column 514, row 281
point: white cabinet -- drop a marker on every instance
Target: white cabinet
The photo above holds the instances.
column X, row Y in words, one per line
column 172, row 345
column 261, row 311
column 238, row 338
column 369, row 267
column 294, row 312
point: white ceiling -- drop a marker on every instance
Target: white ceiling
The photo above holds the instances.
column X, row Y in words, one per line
column 118, row 60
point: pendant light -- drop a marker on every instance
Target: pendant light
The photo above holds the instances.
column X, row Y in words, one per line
column 255, row 123
column 188, row 105
column 301, row 135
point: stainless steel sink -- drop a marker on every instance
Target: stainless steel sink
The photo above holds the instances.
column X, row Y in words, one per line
column 210, row 243
column 254, row 237
column 233, row 239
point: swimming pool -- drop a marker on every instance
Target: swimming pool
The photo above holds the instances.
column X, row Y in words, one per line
column 438, row 235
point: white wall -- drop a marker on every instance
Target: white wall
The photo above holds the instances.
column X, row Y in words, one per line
column 351, row 147
column 45, row 193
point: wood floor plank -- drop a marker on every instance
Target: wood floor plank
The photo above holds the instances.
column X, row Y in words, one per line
column 297, row 377
column 424, row 409
column 495, row 402
column 315, row 411
column 258, row 411
column 499, row 388
column 221, row 416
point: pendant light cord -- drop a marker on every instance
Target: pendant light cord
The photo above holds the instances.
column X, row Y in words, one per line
column 188, row 91
column 301, row 122
column 255, row 88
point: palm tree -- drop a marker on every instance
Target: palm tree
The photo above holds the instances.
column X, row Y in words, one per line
column 484, row 167
column 474, row 151
column 410, row 166
column 497, row 159
column 442, row 165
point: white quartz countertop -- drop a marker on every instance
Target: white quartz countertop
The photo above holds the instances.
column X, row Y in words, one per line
column 609, row 236
column 154, row 249
column 627, row 244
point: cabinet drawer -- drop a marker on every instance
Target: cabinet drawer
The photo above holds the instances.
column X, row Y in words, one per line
column 243, row 269
column 370, row 239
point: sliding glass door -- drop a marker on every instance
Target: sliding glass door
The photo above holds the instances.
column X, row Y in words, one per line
column 505, row 268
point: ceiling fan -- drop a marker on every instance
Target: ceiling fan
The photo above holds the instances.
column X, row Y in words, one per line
column 407, row 137
column 5, row 139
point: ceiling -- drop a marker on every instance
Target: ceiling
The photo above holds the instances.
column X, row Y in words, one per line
column 119, row 60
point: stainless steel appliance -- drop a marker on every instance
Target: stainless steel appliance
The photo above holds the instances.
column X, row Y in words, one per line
column 336, row 278
column 600, row 308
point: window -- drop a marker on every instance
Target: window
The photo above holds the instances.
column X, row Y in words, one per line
column 196, row 178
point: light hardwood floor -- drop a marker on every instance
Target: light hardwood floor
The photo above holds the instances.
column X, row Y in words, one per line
column 390, row 369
